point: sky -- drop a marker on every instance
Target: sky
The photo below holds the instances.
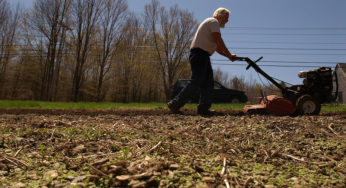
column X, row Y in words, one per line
column 291, row 35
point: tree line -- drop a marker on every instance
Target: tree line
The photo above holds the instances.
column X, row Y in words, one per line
column 95, row 50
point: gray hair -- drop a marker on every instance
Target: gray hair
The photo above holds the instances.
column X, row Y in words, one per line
column 221, row 11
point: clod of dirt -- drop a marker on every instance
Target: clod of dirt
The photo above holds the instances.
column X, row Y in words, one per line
column 51, row 174
column 78, row 149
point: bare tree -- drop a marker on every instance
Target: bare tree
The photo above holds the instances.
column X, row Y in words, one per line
column 238, row 83
column 138, row 72
column 221, row 77
column 4, row 7
column 85, row 15
column 8, row 29
column 49, row 19
column 172, row 32
column 113, row 17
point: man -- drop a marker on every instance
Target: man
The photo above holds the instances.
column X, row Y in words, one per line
column 207, row 40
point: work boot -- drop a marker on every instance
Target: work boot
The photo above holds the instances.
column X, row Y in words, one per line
column 174, row 109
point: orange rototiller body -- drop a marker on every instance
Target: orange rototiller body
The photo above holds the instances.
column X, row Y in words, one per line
column 305, row 99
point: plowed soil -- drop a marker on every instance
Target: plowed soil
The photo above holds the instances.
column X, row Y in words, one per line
column 153, row 148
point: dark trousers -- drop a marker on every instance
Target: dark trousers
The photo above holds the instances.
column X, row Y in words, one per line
column 202, row 79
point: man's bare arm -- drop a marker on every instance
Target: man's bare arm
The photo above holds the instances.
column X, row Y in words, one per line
column 221, row 47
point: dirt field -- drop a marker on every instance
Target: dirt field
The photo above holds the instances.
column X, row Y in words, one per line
column 153, row 148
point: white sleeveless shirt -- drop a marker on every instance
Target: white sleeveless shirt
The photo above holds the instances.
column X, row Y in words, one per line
column 203, row 38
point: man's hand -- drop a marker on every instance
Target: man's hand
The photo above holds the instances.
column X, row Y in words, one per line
column 232, row 57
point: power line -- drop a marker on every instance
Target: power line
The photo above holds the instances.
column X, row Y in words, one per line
column 286, row 28
column 247, row 48
column 308, row 62
column 241, row 41
column 234, row 64
column 286, row 34
column 268, row 53
column 295, row 66
column 286, row 42
column 329, row 49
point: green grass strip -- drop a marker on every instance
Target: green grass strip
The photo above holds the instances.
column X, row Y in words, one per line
column 16, row 104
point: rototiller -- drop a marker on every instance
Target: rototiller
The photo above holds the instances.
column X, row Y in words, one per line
column 305, row 99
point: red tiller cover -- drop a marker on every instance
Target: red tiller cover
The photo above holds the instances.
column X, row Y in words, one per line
column 273, row 104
